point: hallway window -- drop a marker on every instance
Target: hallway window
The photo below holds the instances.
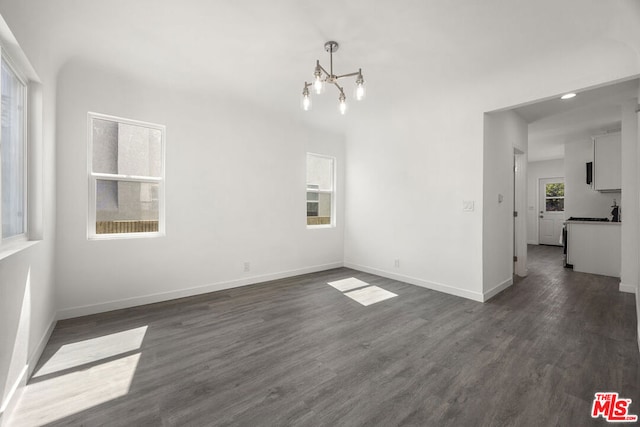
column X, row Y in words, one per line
column 320, row 191
column 126, row 178
column 13, row 153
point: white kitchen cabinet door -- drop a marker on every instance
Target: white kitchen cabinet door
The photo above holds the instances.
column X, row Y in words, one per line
column 607, row 162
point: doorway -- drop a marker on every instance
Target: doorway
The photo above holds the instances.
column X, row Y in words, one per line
column 551, row 211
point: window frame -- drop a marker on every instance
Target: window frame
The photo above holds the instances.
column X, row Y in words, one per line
column 319, row 191
column 93, row 178
column 24, row 236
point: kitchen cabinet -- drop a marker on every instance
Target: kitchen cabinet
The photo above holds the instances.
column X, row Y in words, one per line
column 594, row 247
column 607, row 162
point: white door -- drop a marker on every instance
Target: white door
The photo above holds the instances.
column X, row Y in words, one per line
column 551, row 216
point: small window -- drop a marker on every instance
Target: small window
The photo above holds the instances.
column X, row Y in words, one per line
column 554, row 197
column 320, row 190
column 13, row 153
column 126, row 178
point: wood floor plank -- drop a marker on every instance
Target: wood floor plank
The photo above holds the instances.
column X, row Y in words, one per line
column 298, row 352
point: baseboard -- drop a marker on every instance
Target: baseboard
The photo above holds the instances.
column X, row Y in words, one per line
column 18, row 386
column 497, row 289
column 532, row 242
column 86, row 310
column 37, row 352
column 475, row 296
column 624, row 287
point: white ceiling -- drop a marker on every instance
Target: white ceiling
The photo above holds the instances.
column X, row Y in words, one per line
column 554, row 122
column 262, row 52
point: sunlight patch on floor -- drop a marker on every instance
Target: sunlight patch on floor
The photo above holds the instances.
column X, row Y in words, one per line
column 93, row 350
column 348, row 284
column 76, row 391
column 361, row 292
column 370, row 295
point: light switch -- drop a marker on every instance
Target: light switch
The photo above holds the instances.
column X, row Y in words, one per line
column 500, row 198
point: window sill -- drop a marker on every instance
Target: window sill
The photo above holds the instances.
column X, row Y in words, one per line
column 13, row 248
column 313, row 227
column 125, row 236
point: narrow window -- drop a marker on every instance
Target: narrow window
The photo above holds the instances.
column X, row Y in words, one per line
column 13, row 153
column 554, row 197
column 320, row 190
column 126, row 178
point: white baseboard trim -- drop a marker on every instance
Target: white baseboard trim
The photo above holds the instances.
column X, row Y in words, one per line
column 497, row 289
column 532, row 242
column 475, row 296
column 18, row 386
column 624, row 287
column 67, row 313
column 37, row 352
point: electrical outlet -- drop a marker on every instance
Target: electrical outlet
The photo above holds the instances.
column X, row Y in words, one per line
column 396, row 263
column 247, row 266
column 468, row 205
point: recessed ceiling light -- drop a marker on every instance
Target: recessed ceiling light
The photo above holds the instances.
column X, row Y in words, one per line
column 568, row 96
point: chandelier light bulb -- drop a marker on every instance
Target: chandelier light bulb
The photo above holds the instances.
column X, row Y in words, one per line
column 306, row 103
column 318, row 83
column 306, row 99
column 342, row 105
column 360, row 91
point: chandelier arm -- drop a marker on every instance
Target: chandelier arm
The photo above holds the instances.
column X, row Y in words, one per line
column 340, row 88
column 348, row 75
column 331, row 61
column 323, row 70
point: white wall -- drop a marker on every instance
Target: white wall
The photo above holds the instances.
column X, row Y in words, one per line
column 637, row 290
column 409, row 170
column 580, row 199
column 630, row 201
column 235, row 193
column 417, row 155
column 26, row 277
column 535, row 171
column 502, row 132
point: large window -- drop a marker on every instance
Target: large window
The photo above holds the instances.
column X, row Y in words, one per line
column 13, row 144
column 320, row 190
column 126, row 178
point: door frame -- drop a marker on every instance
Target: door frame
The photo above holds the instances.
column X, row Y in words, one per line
column 520, row 206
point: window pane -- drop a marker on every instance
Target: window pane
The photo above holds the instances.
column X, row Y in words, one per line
column 125, row 149
column 555, row 205
column 13, row 152
column 555, row 189
column 312, row 209
column 319, row 172
column 126, row 207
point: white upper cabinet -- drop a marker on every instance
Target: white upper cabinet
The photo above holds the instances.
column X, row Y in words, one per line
column 607, row 162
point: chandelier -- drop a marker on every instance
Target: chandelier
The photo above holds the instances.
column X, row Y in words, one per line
column 322, row 77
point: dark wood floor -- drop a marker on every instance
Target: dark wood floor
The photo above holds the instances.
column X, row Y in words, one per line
column 299, row 352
